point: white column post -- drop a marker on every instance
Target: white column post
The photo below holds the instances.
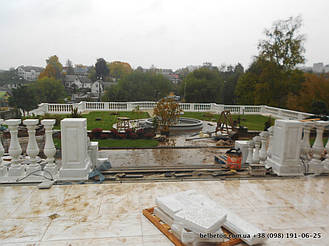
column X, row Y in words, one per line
column 262, row 153
column 305, row 146
column 16, row 169
column 76, row 163
column 49, row 148
column 315, row 165
column 250, row 151
column 3, row 169
column 32, row 147
column 285, row 148
column 255, row 157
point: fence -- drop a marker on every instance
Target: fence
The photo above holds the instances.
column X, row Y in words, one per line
column 51, row 108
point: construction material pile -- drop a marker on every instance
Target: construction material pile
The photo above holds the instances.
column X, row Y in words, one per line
column 197, row 220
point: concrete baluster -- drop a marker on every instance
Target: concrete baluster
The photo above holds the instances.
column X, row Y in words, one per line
column 262, row 153
column 315, row 165
column 255, row 158
column 3, row 169
column 49, row 149
column 32, row 147
column 306, row 147
column 250, row 151
column 15, row 169
column 270, row 142
column 325, row 162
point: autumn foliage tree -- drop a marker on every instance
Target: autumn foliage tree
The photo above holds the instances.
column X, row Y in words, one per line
column 313, row 96
column 167, row 112
column 53, row 69
column 119, row 69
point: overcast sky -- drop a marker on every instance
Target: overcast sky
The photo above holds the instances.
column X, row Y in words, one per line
column 167, row 34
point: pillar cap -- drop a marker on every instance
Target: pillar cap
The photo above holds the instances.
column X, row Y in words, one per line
column 48, row 122
column 13, row 122
column 31, row 122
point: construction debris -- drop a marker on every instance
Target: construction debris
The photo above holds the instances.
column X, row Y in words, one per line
column 196, row 219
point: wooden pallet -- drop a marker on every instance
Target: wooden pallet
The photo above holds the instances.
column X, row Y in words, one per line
column 166, row 230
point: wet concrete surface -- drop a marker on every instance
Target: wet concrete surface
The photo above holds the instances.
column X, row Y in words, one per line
column 161, row 157
column 169, row 157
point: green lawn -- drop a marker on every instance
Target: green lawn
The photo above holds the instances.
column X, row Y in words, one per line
column 110, row 143
column 253, row 122
column 107, row 118
column 139, row 143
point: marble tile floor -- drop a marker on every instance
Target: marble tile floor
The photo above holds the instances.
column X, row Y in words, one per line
column 111, row 214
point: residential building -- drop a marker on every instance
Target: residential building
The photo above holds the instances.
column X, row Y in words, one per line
column 318, row 67
column 79, row 81
column 29, row 73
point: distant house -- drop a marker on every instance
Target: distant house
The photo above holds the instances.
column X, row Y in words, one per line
column 29, row 73
column 79, row 81
column 98, row 87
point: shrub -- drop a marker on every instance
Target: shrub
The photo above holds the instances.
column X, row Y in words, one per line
column 96, row 133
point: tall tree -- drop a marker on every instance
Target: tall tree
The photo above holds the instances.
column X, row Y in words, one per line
column 284, row 43
column 230, row 76
column 101, row 68
column 20, row 100
column 53, row 69
column 313, row 95
column 119, row 69
column 69, row 67
column 139, row 86
column 49, row 90
column 202, row 85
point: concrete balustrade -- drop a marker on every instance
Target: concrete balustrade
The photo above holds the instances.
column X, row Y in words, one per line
column 32, row 147
column 49, row 149
column 262, row 153
column 315, row 165
column 3, row 169
column 80, row 155
column 52, row 108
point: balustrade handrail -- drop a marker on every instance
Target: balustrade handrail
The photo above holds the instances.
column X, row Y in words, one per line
column 53, row 108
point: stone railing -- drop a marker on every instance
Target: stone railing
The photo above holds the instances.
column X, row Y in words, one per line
column 79, row 155
column 188, row 107
column 286, row 148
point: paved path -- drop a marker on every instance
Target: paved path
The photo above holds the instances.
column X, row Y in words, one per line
column 111, row 214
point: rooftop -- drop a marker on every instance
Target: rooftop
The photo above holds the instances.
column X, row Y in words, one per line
column 111, row 214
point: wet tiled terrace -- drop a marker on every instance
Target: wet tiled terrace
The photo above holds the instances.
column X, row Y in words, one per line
column 111, row 214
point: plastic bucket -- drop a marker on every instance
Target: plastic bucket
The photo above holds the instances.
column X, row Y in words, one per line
column 234, row 159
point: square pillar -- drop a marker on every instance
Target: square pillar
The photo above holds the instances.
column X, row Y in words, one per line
column 286, row 147
column 76, row 162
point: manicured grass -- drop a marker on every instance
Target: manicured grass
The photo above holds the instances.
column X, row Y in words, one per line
column 110, row 143
column 253, row 122
column 107, row 118
column 145, row 143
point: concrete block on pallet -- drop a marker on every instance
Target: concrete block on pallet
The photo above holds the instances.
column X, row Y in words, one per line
column 163, row 216
column 239, row 226
column 200, row 219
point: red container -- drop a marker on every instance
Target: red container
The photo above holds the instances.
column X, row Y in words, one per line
column 234, row 158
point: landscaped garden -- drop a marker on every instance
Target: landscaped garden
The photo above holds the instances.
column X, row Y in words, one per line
column 99, row 123
column 251, row 121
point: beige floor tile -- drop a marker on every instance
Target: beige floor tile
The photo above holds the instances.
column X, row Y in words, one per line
column 62, row 229
column 117, row 241
column 157, row 240
column 23, row 230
